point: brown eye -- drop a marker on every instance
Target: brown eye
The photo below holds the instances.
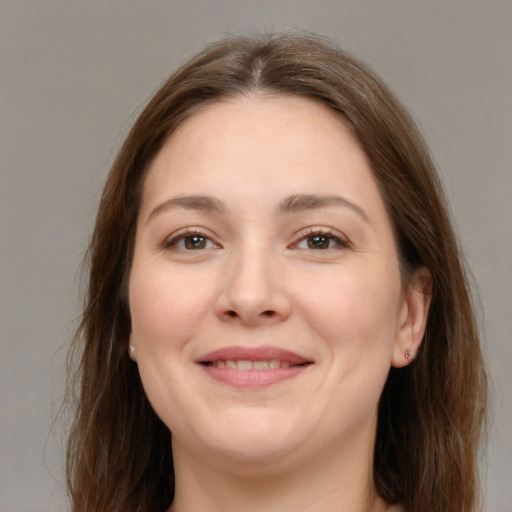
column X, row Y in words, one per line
column 319, row 241
column 190, row 242
column 193, row 242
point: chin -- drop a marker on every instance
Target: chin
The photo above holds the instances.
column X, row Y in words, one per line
column 252, row 438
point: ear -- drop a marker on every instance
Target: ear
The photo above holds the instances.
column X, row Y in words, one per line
column 131, row 349
column 413, row 317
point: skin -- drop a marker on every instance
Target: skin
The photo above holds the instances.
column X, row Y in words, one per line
column 256, row 278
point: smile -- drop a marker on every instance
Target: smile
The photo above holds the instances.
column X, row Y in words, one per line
column 245, row 365
column 253, row 367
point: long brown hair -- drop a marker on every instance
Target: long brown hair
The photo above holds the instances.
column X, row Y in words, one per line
column 431, row 413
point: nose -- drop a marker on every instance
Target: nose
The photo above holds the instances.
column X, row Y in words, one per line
column 253, row 290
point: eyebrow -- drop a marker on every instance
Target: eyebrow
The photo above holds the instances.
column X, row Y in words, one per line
column 194, row 202
column 300, row 202
column 290, row 205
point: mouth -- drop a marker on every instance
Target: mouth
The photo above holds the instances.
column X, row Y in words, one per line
column 247, row 364
column 253, row 367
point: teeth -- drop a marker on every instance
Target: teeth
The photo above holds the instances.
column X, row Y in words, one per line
column 245, row 365
column 271, row 364
column 259, row 365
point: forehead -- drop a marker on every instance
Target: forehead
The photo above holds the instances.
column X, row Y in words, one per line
column 289, row 118
column 261, row 136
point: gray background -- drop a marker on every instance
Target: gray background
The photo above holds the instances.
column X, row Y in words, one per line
column 73, row 75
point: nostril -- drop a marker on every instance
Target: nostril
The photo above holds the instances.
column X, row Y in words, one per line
column 269, row 312
column 232, row 313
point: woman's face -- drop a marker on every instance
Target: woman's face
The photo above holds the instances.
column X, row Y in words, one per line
column 265, row 292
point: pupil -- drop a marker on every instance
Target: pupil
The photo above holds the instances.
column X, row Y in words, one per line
column 318, row 242
column 195, row 242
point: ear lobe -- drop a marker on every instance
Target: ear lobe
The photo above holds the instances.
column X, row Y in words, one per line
column 413, row 317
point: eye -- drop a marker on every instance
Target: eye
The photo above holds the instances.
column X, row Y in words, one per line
column 321, row 240
column 190, row 242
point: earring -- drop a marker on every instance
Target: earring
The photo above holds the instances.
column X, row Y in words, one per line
column 408, row 356
column 131, row 349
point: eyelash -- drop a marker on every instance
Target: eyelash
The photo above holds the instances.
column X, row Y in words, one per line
column 172, row 243
column 326, row 234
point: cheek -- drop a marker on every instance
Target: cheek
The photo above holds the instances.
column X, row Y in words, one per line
column 355, row 310
column 166, row 312
column 166, row 307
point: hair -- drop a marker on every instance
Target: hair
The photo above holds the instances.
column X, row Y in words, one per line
column 431, row 413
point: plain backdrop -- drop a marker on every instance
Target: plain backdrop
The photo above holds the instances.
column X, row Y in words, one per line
column 73, row 76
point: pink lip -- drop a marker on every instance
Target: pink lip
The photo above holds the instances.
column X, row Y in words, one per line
column 252, row 354
column 253, row 378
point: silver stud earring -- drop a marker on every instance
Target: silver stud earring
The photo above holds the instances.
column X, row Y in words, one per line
column 132, row 350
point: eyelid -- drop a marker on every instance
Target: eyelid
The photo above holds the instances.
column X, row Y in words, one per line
column 173, row 239
column 340, row 238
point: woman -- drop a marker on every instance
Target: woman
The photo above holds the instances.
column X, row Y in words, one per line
column 277, row 315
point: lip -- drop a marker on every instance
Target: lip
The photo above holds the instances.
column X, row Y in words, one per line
column 297, row 364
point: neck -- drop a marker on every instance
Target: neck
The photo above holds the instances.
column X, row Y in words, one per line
column 327, row 481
